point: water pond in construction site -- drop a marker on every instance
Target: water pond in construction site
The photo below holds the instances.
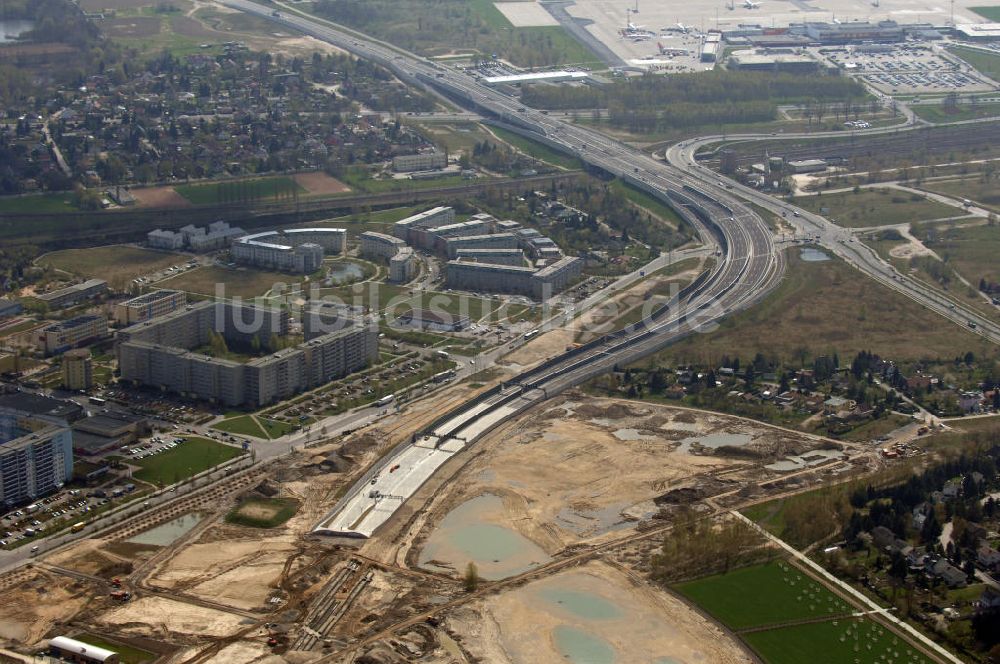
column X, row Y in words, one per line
column 167, row 533
column 475, row 532
column 584, row 617
column 716, row 440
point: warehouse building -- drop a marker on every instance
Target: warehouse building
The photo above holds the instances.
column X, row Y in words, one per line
column 36, row 456
column 60, row 337
column 149, row 305
column 75, row 294
column 107, row 431
column 807, row 166
column 781, row 62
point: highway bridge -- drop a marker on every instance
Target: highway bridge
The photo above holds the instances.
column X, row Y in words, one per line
column 749, row 266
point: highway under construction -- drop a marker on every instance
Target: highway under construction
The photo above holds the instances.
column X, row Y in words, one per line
column 748, row 268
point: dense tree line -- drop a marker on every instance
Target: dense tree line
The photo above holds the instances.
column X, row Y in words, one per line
column 716, row 87
column 655, row 103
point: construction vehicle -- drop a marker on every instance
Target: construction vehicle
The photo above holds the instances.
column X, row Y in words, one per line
column 121, row 595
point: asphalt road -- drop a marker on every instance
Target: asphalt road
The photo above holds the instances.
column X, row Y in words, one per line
column 749, row 266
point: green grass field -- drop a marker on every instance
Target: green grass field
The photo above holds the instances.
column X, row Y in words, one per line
column 984, row 192
column 989, row 13
column 230, row 282
column 965, row 111
column 987, row 63
column 855, row 640
column 359, row 178
column 115, row 264
column 258, row 427
column 189, row 458
column 644, row 200
column 875, row 207
column 972, row 252
column 826, row 307
column 538, row 150
column 263, row 512
column 36, row 204
column 762, row 595
column 236, row 191
column 126, row 654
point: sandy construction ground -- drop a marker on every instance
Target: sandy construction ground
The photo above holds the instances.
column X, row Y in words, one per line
column 527, row 14
column 166, row 618
column 913, row 246
column 159, row 197
column 29, row 610
column 565, row 476
column 240, row 566
column 640, row 623
column 320, row 183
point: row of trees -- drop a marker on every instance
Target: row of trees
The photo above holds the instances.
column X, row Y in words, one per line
column 717, row 87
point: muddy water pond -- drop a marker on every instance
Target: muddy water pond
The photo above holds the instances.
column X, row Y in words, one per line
column 167, row 533
column 472, row 532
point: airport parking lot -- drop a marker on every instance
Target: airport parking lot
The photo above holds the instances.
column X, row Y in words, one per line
column 909, row 69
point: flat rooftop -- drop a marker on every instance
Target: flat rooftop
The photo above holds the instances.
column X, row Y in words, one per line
column 538, row 76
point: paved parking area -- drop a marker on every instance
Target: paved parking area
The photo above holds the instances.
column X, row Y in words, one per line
column 910, row 69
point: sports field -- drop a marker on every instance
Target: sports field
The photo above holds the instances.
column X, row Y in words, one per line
column 241, row 191
column 762, row 595
column 788, row 618
column 857, row 640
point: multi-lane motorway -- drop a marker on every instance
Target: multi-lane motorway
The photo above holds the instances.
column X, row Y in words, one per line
column 841, row 242
column 748, row 267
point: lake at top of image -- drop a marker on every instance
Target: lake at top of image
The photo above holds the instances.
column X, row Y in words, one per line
column 469, row 533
